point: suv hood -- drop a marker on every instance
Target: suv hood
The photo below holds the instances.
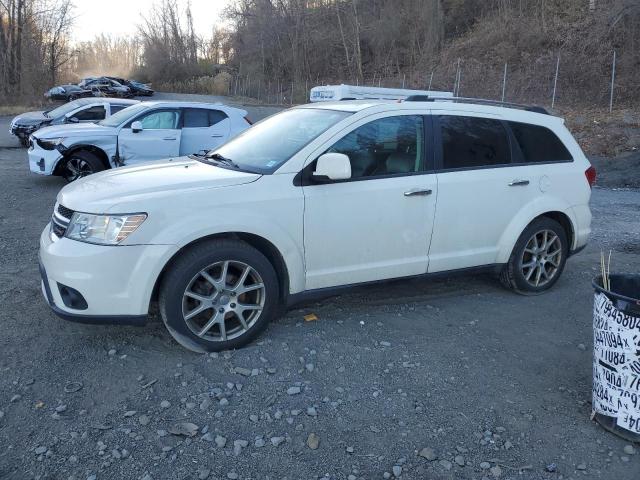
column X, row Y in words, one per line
column 133, row 187
column 31, row 118
column 75, row 130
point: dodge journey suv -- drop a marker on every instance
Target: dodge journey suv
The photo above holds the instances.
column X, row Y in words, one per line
column 314, row 198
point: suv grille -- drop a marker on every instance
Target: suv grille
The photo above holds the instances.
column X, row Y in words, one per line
column 60, row 220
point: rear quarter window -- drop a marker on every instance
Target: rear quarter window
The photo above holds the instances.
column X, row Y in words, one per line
column 538, row 144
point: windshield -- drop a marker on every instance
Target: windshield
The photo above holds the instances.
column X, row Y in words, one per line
column 64, row 109
column 270, row 143
column 122, row 116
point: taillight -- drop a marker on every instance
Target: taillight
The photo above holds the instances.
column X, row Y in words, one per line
column 590, row 173
column 248, row 120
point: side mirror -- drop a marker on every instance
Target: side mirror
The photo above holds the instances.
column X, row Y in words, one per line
column 333, row 166
column 136, row 127
column 72, row 120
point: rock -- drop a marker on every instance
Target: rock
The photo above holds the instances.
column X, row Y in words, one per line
column 459, row 460
column 312, row 412
column 293, row 390
column 144, row 420
column 224, row 402
column 485, row 465
column 496, row 471
column 628, row 449
column 386, row 475
column 385, row 344
column 128, row 413
column 310, row 367
column 581, row 466
column 397, row 471
column 15, row 398
column 232, row 476
column 238, row 445
column 245, row 372
column 205, row 404
column 552, row 467
column 446, row 464
column 203, row 473
column 259, row 443
column 61, row 408
column 313, row 441
column 276, row 441
column 349, row 449
column 220, row 441
column 112, row 352
column 186, row 429
column 254, row 418
column 115, row 453
column 165, row 404
column 207, row 437
column 428, row 453
column 40, row 450
column 581, row 346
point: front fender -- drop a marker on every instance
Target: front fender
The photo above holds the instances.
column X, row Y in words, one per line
column 525, row 216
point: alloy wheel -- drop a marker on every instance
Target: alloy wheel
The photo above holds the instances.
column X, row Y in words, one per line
column 223, row 301
column 76, row 168
column 541, row 258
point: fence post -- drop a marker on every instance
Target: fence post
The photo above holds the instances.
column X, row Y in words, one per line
column 404, row 77
column 555, row 83
column 613, row 80
column 430, row 80
column 504, row 81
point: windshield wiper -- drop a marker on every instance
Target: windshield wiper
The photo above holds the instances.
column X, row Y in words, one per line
column 222, row 159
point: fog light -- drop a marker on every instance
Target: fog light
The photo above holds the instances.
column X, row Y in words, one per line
column 72, row 298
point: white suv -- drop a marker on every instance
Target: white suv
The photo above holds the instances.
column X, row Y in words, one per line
column 314, row 198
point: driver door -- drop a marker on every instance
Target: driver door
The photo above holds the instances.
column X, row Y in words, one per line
column 376, row 225
column 159, row 138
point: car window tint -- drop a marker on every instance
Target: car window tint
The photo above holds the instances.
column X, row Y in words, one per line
column 387, row 146
column 117, row 108
column 195, row 118
column 95, row 113
column 165, row 119
column 216, row 116
column 539, row 144
column 470, row 142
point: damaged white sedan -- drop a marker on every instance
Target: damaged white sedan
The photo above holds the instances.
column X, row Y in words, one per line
column 143, row 132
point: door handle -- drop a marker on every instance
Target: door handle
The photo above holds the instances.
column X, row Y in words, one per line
column 418, row 191
column 519, row 183
column 217, row 135
column 169, row 138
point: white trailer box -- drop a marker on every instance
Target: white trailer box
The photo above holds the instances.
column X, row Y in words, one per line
column 329, row 93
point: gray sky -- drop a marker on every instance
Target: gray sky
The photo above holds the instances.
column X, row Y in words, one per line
column 121, row 17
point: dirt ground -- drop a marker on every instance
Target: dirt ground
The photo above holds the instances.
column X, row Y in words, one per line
column 495, row 384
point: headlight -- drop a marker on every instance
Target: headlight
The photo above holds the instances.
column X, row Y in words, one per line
column 49, row 143
column 103, row 229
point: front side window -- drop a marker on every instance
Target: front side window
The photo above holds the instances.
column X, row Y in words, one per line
column 267, row 145
column 472, row 142
column 386, row 146
column 123, row 115
column 93, row 114
column 160, row 120
column 539, row 144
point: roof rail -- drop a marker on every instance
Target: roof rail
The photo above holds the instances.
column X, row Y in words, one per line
column 482, row 101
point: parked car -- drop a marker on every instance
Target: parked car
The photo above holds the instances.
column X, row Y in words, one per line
column 139, row 89
column 67, row 92
column 314, row 199
column 105, row 87
column 78, row 111
column 142, row 132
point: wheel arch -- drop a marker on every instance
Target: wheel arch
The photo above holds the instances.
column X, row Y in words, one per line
column 264, row 246
column 100, row 153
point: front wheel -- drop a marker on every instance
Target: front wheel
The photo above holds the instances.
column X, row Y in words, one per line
column 218, row 295
column 538, row 258
column 80, row 164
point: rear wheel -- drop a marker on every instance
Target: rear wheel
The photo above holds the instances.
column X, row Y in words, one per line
column 80, row 164
column 538, row 258
column 218, row 295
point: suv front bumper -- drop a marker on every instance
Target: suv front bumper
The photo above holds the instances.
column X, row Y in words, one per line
column 115, row 283
column 42, row 161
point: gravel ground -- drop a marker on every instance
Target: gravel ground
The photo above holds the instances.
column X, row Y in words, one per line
column 439, row 379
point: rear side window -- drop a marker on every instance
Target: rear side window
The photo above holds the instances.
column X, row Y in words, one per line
column 539, row 144
column 202, row 118
column 117, row 108
column 471, row 142
column 92, row 113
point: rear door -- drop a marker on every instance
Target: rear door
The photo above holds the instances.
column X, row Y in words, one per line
column 158, row 139
column 480, row 190
column 203, row 129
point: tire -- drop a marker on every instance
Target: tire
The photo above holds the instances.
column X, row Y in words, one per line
column 200, row 313
column 80, row 164
column 72, row 98
column 534, row 267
